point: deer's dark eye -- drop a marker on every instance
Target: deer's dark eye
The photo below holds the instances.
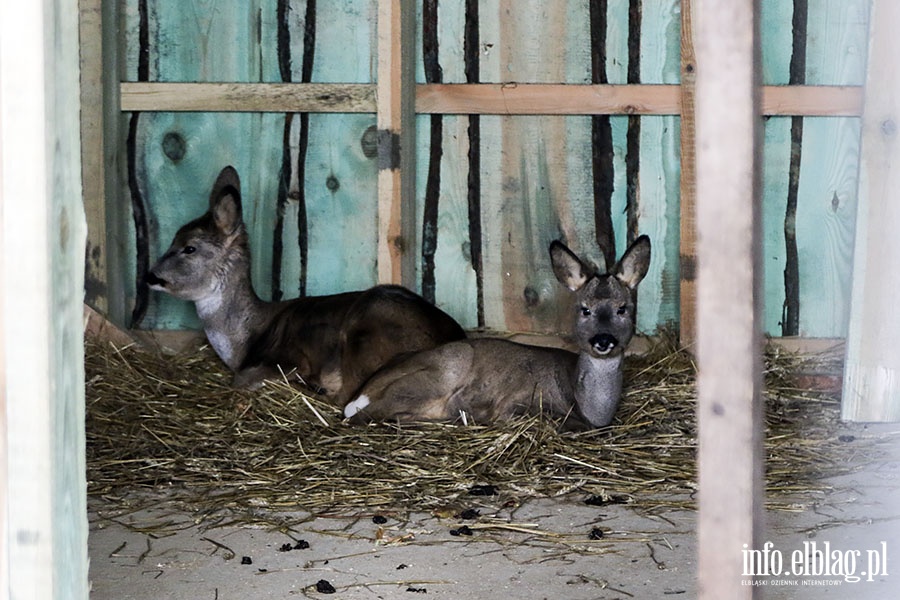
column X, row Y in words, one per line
column 585, row 311
column 188, row 250
column 622, row 309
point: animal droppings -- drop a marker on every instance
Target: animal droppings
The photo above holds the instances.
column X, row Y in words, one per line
column 464, row 530
column 482, row 490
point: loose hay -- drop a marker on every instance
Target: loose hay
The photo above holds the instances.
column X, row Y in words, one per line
column 174, row 423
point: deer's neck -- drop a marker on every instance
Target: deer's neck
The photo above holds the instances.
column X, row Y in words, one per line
column 232, row 314
column 598, row 387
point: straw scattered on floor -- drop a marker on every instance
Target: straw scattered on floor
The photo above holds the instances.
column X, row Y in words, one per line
column 174, row 424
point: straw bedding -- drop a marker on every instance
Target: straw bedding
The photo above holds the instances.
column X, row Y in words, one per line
column 174, row 424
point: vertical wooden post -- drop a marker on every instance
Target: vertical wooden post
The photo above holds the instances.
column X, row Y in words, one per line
column 872, row 368
column 728, row 287
column 92, row 150
column 42, row 251
column 688, row 221
column 4, row 423
column 116, row 209
column 396, row 120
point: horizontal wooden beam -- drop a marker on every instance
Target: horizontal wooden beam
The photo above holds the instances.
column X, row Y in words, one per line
column 812, row 100
column 548, row 99
column 248, row 97
column 484, row 98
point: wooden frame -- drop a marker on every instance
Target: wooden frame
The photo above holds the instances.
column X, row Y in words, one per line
column 729, row 267
column 471, row 98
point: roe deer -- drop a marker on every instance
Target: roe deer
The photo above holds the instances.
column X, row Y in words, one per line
column 494, row 379
column 334, row 342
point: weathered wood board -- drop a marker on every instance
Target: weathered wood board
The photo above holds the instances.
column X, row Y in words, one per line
column 807, row 247
column 871, row 390
column 44, row 529
column 492, row 191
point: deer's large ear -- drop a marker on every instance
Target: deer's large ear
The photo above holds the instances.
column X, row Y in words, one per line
column 225, row 201
column 567, row 267
column 228, row 178
column 634, row 264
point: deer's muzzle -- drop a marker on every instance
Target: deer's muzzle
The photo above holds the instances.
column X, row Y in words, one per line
column 603, row 343
column 154, row 281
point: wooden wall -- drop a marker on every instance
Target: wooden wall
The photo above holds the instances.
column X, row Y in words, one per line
column 492, row 190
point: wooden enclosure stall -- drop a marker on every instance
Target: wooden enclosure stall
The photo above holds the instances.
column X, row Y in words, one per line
column 444, row 145
column 498, row 170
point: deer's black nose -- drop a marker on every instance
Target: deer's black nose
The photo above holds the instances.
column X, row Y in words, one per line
column 152, row 280
column 603, row 343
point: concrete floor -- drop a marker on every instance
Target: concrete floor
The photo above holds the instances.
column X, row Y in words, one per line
column 540, row 550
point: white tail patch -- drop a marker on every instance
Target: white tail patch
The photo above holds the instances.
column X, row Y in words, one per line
column 357, row 405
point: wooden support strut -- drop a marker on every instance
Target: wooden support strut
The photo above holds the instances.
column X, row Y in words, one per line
column 471, row 98
column 395, row 112
column 688, row 193
column 729, row 411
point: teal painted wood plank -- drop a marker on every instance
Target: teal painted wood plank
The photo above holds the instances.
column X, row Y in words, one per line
column 455, row 281
column 827, row 197
column 616, row 41
column 826, row 218
column 776, row 164
column 455, row 289
column 341, row 178
column 619, row 126
column 836, row 48
column 660, row 177
column 776, row 37
column 208, row 40
column 576, row 206
column 346, row 31
column 341, row 203
column 456, row 286
column 660, row 169
column 660, row 41
column 777, row 41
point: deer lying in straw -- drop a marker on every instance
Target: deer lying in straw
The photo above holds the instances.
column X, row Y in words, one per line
column 491, row 379
column 334, row 343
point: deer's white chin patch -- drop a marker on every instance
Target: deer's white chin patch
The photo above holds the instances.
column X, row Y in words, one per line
column 357, row 405
column 603, row 353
